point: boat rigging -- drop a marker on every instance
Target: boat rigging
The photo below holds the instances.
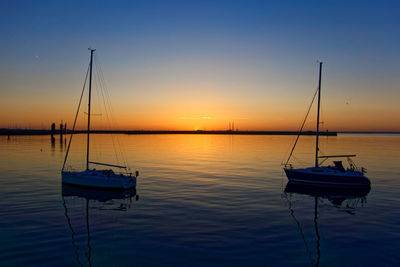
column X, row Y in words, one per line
column 103, row 178
column 335, row 175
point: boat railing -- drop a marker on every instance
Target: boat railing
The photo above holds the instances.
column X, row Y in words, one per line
column 288, row 166
column 127, row 173
column 354, row 167
column 69, row 168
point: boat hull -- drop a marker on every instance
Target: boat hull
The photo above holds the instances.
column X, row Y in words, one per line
column 327, row 191
column 99, row 194
column 97, row 179
column 326, row 177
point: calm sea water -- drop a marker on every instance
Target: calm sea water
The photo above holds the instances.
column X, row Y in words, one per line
column 201, row 200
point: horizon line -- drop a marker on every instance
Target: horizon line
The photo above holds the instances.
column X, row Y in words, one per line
column 9, row 131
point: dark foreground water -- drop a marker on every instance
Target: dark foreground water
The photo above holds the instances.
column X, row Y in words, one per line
column 203, row 200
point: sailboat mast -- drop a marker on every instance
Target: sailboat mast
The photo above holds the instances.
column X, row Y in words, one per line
column 319, row 101
column 90, row 95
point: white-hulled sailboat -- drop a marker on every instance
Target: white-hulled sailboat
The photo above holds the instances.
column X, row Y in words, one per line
column 335, row 175
column 91, row 177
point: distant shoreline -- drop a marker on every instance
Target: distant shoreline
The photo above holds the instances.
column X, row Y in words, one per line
column 367, row 132
column 225, row 132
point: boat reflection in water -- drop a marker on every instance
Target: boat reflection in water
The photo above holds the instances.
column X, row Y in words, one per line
column 100, row 199
column 346, row 199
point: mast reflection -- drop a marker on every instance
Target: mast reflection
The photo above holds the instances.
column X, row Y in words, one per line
column 346, row 199
column 108, row 200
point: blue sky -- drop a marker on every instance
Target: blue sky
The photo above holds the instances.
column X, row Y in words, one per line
column 241, row 52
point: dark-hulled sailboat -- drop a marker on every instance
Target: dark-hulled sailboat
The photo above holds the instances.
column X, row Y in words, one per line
column 336, row 175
